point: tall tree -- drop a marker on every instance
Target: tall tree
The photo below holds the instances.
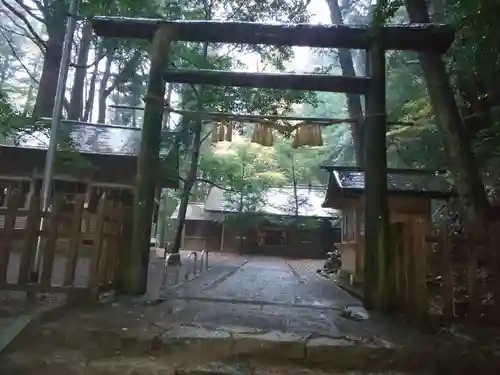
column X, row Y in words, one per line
column 447, row 111
column 354, row 106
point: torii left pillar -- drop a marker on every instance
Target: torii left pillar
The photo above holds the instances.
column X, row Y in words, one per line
column 135, row 259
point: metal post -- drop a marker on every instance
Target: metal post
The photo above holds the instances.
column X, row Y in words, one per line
column 204, row 260
column 165, row 273
column 56, row 118
column 192, row 254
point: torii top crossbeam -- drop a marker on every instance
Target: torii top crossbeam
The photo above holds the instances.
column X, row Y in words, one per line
column 435, row 38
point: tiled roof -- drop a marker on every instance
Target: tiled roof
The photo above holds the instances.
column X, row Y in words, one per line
column 195, row 211
column 276, row 201
column 95, row 139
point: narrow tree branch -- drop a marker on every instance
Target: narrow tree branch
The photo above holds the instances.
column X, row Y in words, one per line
column 29, row 10
column 93, row 63
column 207, row 181
column 14, row 52
column 26, row 32
column 15, row 32
column 129, row 65
column 206, row 136
column 25, row 21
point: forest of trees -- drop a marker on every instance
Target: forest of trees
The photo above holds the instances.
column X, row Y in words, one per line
column 453, row 101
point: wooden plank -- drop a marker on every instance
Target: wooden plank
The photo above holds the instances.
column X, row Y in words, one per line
column 421, row 250
column 412, row 37
column 446, row 270
column 118, row 218
column 106, row 244
column 98, row 241
column 74, row 241
column 6, row 234
column 307, row 82
column 392, row 267
column 30, row 234
column 409, row 270
column 399, row 248
column 456, row 240
column 494, row 238
column 472, row 283
column 50, row 243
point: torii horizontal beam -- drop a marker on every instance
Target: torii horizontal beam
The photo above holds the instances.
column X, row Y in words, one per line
column 295, row 81
column 435, row 38
column 240, row 117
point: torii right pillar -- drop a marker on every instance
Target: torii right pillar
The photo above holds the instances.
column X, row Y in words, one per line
column 377, row 229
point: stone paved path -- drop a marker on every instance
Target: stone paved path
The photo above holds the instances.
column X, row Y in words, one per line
column 244, row 308
column 268, row 294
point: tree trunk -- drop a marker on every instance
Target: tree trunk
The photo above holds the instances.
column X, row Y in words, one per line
column 29, row 98
column 294, row 182
column 28, row 104
column 188, row 185
column 76, row 102
column 193, row 169
column 103, row 95
column 442, row 98
column 89, row 105
column 4, row 69
column 354, row 106
column 56, row 27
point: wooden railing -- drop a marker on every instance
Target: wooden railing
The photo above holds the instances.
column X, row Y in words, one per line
column 67, row 262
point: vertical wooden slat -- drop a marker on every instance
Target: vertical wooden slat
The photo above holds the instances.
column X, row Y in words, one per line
column 392, row 267
column 409, row 268
column 74, row 241
column 50, row 243
column 399, row 247
column 118, row 218
column 472, row 288
column 7, row 233
column 98, row 241
column 494, row 240
column 421, row 250
column 446, row 270
column 106, row 235
column 125, row 242
column 30, row 239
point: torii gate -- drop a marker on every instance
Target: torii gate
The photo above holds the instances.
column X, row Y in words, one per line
column 427, row 38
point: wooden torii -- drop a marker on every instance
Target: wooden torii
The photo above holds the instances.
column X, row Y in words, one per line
column 426, row 38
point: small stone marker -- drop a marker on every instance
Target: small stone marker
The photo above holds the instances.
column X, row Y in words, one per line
column 356, row 313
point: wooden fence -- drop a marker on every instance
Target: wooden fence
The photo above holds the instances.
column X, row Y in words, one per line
column 446, row 275
column 463, row 274
column 79, row 249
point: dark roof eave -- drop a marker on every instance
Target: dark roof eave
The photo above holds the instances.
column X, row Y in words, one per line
column 264, row 214
column 345, row 192
column 333, row 168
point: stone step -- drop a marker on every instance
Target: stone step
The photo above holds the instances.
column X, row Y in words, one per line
column 67, row 362
column 187, row 342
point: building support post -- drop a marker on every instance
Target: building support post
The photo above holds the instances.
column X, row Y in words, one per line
column 134, row 261
column 222, row 237
column 156, row 213
column 377, row 234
